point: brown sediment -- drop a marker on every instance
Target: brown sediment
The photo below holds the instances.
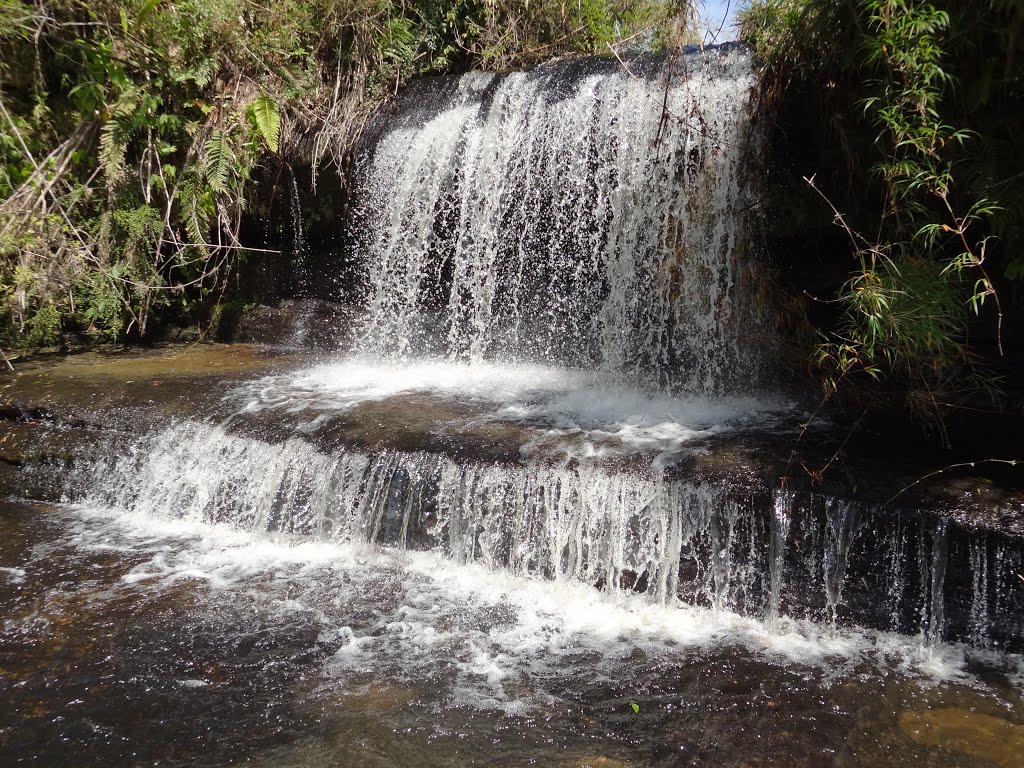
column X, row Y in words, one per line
column 973, row 733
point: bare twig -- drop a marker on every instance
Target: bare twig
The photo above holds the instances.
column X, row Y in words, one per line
column 959, row 465
column 859, row 242
column 221, row 246
column 625, row 66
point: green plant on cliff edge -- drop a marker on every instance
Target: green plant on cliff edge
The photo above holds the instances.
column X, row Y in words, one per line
column 906, row 309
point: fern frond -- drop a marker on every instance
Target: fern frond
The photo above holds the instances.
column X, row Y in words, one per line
column 218, row 159
column 115, row 135
column 193, row 212
column 113, row 145
column 266, row 117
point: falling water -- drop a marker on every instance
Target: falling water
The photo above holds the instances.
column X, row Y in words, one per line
column 510, row 499
column 300, row 250
column 302, row 310
column 780, row 523
column 979, row 592
column 566, row 247
column 933, row 613
column 842, row 517
column 677, row 541
column 588, row 215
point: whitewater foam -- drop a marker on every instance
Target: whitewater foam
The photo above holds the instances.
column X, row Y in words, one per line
column 490, row 626
column 611, row 415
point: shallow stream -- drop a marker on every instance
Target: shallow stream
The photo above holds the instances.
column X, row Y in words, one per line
column 130, row 640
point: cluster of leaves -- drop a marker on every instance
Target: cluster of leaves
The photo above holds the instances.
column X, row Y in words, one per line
column 131, row 131
column 136, row 137
column 898, row 68
column 509, row 33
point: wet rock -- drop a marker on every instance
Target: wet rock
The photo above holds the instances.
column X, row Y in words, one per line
column 972, row 733
column 320, row 325
column 260, row 324
column 59, row 414
column 597, row 761
column 56, row 413
column 376, row 698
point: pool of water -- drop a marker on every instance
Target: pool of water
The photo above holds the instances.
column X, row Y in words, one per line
column 130, row 639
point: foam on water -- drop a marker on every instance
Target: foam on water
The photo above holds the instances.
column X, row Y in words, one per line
column 613, row 415
column 490, row 627
column 14, row 575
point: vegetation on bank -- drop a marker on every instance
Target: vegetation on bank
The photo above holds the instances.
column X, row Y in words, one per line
column 908, row 113
column 137, row 138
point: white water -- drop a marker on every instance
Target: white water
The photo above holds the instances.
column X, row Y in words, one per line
column 764, row 555
column 604, row 416
column 595, row 219
column 576, row 272
column 479, row 632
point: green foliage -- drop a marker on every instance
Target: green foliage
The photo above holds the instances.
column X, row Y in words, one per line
column 510, row 33
column 903, row 84
column 44, row 326
column 14, row 168
column 133, row 134
column 799, row 41
column 266, row 118
column 218, row 161
column 903, row 313
column 100, row 304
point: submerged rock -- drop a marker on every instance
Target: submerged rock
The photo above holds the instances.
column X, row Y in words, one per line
column 376, row 698
column 972, row 733
column 599, row 761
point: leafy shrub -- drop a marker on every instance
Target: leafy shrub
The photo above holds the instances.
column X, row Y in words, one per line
column 901, row 96
column 133, row 134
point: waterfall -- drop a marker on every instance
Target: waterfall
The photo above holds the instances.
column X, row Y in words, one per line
column 780, row 523
column 531, row 513
column 586, row 214
column 562, row 314
column 775, row 555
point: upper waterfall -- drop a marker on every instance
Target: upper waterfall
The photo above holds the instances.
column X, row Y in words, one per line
column 587, row 213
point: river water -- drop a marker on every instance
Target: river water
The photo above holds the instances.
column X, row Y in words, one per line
column 134, row 640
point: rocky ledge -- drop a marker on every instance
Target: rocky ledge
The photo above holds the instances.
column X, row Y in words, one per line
column 59, row 410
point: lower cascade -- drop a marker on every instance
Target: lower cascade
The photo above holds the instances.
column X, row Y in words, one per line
column 756, row 552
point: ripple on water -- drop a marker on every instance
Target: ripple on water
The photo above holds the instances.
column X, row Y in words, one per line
column 294, row 652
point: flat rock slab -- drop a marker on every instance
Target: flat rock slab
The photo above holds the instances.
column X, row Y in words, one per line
column 54, row 411
column 94, row 385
